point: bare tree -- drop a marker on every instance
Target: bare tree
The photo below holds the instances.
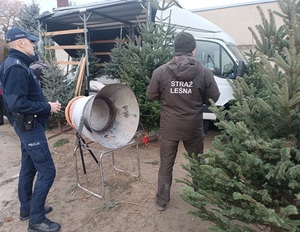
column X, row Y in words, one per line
column 9, row 10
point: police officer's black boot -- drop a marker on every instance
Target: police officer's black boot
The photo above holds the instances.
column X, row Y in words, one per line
column 45, row 226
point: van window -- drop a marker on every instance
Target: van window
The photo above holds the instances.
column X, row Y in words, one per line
column 214, row 56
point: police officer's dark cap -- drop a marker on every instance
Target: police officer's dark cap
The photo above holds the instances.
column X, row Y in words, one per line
column 17, row 33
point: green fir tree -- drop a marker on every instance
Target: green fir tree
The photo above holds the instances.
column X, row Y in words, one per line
column 27, row 18
column 57, row 88
column 250, row 181
column 112, row 68
column 94, row 69
column 133, row 61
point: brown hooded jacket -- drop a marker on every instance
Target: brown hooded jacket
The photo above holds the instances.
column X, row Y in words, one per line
column 182, row 85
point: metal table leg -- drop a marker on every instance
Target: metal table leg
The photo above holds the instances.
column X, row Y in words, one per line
column 81, row 145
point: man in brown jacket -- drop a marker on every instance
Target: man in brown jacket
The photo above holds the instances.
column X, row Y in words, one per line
column 182, row 86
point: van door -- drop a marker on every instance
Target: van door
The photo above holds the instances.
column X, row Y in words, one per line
column 215, row 57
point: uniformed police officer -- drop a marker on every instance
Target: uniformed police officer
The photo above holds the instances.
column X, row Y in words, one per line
column 29, row 111
column 2, row 108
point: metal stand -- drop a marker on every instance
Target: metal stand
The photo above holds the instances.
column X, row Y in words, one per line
column 82, row 145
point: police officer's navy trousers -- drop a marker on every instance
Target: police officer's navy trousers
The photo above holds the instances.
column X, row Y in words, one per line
column 2, row 110
column 168, row 152
column 36, row 159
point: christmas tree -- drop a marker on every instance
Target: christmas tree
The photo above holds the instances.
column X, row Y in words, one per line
column 133, row 61
column 27, row 18
column 250, row 181
column 57, row 88
column 94, row 69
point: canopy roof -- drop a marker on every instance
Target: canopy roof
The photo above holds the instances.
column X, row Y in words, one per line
column 106, row 14
column 117, row 17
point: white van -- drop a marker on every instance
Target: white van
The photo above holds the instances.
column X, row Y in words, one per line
column 215, row 49
column 104, row 21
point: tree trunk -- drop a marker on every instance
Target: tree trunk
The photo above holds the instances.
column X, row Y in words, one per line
column 59, row 126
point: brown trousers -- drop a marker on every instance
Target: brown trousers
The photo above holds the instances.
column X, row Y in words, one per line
column 168, row 152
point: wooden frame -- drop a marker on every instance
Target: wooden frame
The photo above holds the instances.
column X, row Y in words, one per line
column 81, row 68
column 65, row 32
column 75, row 47
column 68, row 62
column 66, row 47
column 102, row 53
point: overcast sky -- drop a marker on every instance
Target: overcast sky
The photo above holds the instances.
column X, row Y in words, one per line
column 48, row 5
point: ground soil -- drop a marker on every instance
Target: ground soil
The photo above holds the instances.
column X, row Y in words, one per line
column 129, row 202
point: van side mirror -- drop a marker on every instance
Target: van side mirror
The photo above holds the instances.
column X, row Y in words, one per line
column 241, row 69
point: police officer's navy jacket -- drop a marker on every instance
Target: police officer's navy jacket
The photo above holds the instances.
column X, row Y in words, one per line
column 22, row 92
column 182, row 85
